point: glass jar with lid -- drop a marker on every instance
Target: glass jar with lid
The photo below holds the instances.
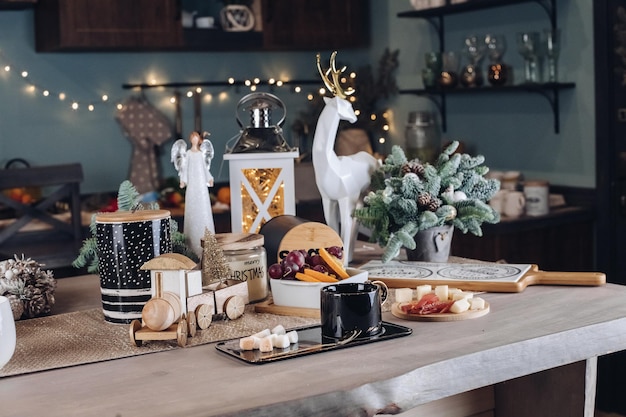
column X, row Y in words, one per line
column 247, row 259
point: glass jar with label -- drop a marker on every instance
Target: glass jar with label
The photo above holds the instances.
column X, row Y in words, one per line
column 246, row 257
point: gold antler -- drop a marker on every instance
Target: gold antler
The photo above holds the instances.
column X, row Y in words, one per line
column 334, row 84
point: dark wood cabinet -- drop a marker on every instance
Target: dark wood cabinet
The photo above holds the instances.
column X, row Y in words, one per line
column 560, row 241
column 107, row 24
column 305, row 24
column 148, row 25
column 16, row 4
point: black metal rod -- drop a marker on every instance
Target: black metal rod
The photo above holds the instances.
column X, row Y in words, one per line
column 217, row 84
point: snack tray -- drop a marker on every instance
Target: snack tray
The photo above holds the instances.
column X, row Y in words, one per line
column 309, row 342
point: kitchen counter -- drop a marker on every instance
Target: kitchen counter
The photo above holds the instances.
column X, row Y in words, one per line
column 540, row 346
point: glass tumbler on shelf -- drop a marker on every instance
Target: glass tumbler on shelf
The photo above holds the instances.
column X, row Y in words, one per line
column 432, row 70
column 498, row 72
column 552, row 40
column 449, row 76
column 474, row 50
column 529, row 45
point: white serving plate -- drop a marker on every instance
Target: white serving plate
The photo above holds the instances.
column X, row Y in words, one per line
column 290, row 293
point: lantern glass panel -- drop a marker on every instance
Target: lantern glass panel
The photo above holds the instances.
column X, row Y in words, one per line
column 269, row 191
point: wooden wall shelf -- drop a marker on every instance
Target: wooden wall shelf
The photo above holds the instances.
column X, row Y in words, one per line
column 550, row 91
column 17, row 4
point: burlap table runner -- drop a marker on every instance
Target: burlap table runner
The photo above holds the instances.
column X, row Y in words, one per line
column 84, row 337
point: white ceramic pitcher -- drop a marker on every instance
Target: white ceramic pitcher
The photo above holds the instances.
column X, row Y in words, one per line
column 7, row 331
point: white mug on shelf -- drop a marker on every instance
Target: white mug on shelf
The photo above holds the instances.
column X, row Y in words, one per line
column 537, row 197
column 514, row 204
column 497, row 201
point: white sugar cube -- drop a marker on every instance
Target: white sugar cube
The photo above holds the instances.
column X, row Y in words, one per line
column 266, row 344
column 279, row 329
column 248, row 343
column 404, row 295
column 281, row 341
column 293, row 336
column 262, row 333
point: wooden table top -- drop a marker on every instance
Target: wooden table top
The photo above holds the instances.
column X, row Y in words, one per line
column 541, row 328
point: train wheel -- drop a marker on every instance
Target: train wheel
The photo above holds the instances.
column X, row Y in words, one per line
column 234, row 307
column 181, row 333
column 134, row 326
column 204, row 316
column 191, row 320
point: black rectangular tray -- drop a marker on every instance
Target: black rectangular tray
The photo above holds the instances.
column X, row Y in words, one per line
column 309, row 342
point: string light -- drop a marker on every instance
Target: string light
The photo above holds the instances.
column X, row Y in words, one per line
column 253, row 83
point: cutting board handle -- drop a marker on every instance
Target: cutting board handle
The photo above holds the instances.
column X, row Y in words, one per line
column 565, row 278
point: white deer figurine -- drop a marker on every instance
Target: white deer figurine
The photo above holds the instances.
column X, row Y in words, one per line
column 341, row 180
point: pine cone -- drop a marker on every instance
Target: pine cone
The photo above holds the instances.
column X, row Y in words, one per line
column 414, row 167
column 433, row 205
column 34, row 303
column 428, row 202
column 17, row 306
column 423, row 200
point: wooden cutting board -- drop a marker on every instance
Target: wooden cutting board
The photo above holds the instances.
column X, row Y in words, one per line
column 268, row 306
column 475, row 276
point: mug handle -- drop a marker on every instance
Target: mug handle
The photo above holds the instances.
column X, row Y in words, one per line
column 384, row 291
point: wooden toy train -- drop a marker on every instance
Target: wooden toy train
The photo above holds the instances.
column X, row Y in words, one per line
column 180, row 305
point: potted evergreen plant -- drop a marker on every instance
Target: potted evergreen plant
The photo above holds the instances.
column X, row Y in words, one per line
column 409, row 197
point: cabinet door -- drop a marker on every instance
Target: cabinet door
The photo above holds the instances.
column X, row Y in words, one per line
column 319, row 24
column 107, row 24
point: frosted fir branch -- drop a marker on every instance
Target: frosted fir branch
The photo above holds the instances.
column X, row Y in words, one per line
column 127, row 196
column 469, row 162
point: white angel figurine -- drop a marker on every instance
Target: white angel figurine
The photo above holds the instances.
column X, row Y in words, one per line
column 193, row 168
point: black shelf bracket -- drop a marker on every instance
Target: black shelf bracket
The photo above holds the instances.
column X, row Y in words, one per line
column 550, row 92
column 550, row 8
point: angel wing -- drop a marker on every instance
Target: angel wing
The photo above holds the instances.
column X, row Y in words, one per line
column 179, row 156
column 206, row 147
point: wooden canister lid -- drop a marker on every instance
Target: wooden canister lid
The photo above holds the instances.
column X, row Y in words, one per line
column 132, row 216
column 309, row 235
column 238, row 241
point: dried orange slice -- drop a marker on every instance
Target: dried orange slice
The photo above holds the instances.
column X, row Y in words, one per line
column 335, row 265
column 320, row 276
column 300, row 276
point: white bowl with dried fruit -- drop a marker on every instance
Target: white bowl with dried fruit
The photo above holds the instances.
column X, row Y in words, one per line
column 296, row 281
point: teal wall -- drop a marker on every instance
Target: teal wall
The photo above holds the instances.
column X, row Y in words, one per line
column 514, row 132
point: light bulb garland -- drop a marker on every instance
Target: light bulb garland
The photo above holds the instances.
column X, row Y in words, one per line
column 34, row 87
column 192, row 89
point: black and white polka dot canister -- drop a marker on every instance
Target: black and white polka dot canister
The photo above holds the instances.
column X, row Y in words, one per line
column 126, row 240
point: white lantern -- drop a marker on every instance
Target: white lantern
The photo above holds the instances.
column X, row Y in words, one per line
column 261, row 166
column 262, row 187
